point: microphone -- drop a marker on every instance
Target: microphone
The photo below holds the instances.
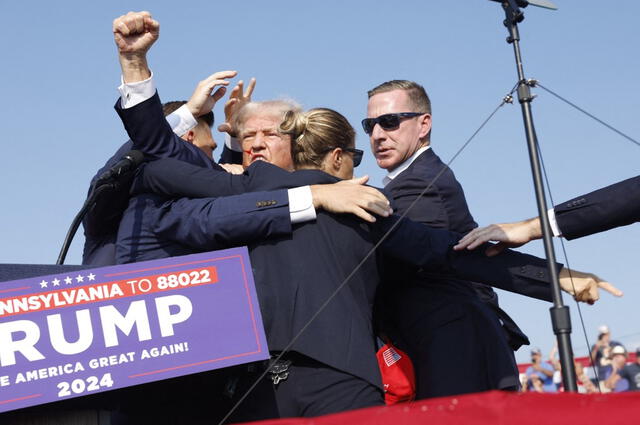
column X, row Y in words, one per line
column 128, row 162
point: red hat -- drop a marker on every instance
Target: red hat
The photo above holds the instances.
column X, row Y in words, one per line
column 398, row 377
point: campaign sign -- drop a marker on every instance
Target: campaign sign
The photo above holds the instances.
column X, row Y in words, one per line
column 69, row 335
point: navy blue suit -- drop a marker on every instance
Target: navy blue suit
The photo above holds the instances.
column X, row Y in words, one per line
column 603, row 209
column 455, row 340
column 295, row 274
column 103, row 218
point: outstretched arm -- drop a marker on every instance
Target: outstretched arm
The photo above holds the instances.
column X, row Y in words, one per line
column 134, row 34
column 508, row 235
column 513, row 271
column 598, row 211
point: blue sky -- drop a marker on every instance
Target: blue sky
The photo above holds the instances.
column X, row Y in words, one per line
column 59, row 74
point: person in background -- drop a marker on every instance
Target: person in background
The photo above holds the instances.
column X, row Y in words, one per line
column 631, row 372
column 540, row 374
column 601, row 350
column 612, row 380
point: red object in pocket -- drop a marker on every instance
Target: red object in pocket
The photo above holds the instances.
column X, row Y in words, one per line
column 398, row 377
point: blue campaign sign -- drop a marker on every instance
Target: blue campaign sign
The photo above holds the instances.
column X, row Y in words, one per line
column 68, row 335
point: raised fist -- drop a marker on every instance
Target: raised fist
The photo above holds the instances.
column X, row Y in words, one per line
column 135, row 32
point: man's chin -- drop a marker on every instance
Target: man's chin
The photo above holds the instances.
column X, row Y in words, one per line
column 388, row 163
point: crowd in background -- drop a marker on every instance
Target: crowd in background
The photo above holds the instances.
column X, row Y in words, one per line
column 609, row 368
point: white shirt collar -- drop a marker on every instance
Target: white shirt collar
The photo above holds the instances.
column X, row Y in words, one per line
column 393, row 174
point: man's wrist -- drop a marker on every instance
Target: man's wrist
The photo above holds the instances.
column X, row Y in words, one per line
column 535, row 230
column 134, row 67
column 181, row 120
column 553, row 223
column 137, row 92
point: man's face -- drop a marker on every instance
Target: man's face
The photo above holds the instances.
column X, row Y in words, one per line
column 262, row 142
column 203, row 139
column 394, row 146
column 619, row 360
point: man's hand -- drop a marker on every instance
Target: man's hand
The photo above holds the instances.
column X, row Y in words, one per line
column 237, row 99
column 509, row 235
column 351, row 196
column 202, row 100
column 233, row 168
column 585, row 287
column 134, row 33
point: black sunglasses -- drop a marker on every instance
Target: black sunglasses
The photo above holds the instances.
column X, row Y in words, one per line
column 387, row 121
column 357, row 154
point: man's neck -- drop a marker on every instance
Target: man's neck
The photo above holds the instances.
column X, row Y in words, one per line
column 395, row 172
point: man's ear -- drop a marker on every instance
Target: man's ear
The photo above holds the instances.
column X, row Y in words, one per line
column 189, row 136
column 425, row 125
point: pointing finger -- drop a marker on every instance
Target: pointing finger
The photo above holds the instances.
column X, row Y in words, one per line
column 610, row 288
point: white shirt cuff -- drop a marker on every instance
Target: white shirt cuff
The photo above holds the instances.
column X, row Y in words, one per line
column 233, row 143
column 133, row 93
column 181, row 120
column 301, row 205
column 553, row 223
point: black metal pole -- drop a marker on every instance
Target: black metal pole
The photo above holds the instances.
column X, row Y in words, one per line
column 560, row 317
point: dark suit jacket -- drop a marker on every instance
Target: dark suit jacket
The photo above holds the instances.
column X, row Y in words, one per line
column 103, row 218
column 296, row 274
column 169, row 178
column 434, row 317
column 606, row 208
column 443, row 206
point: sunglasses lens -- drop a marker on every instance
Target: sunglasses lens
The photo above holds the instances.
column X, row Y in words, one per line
column 357, row 158
column 389, row 121
column 367, row 124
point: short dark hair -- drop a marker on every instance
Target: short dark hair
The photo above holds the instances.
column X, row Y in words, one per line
column 417, row 94
column 170, row 107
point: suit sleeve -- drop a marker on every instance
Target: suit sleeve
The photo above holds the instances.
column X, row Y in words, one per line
column 172, row 178
column 431, row 249
column 152, row 135
column 606, row 208
column 207, row 223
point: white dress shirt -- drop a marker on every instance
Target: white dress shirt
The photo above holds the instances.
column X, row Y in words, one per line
column 396, row 172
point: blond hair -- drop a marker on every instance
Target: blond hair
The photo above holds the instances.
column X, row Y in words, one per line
column 314, row 133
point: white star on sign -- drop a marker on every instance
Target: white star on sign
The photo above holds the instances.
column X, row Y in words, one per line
column 43, row 284
column 91, row 276
column 79, row 278
column 56, row 282
column 68, row 280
